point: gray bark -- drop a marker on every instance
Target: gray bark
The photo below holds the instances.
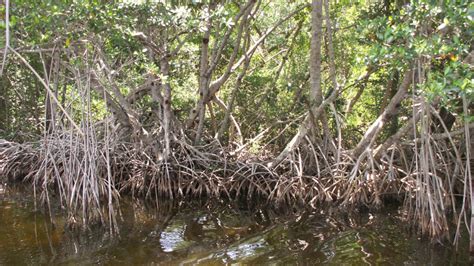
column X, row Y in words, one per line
column 203, row 77
column 316, row 95
column 164, row 66
column 391, row 109
column 316, row 107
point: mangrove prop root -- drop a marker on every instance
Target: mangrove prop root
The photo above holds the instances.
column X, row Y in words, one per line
column 76, row 172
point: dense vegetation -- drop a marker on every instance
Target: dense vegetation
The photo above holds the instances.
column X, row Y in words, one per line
column 347, row 102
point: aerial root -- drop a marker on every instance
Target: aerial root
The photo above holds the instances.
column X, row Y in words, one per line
column 76, row 172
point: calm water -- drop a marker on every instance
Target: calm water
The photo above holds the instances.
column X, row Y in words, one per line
column 214, row 233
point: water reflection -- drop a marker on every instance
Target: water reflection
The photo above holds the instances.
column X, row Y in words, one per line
column 214, row 233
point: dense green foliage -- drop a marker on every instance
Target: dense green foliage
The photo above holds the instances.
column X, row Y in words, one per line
column 382, row 36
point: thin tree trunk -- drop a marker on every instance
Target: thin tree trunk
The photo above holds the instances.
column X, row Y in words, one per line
column 4, row 106
column 51, row 70
column 216, row 55
column 288, row 52
column 232, row 67
column 157, row 98
column 303, row 130
column 354, row 100
column 391, row 109
column 316, row 94
column 212, row 88
column 164, row 67
column 389, row 93
column 397, row 136
column 469, row 152
column 361, row 82
column 213, row 118
column 230, row 107
column 221, row 104
column 332, row 75
column 118, row 112
column 316, row 107
column 203, row 76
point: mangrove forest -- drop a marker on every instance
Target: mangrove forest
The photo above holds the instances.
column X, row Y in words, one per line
column 316, row 108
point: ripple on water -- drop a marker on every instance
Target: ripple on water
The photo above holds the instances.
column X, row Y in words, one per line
column 214, row 233
column 172, row 240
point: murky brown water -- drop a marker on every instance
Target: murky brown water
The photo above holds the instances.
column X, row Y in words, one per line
column 214, row 233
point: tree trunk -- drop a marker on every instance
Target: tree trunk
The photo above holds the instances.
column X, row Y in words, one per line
column 316, row 95
column 203, row 76
column 389, row 93
column 119, row 114
column 52, row 70
column 228, row 113
column 332, row 76
column 391, row 109
column 316, row 107
column 164, row 66
column 230, row 106
column 4, row 106
column 232, row 66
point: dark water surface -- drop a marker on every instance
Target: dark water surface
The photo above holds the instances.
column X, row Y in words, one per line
column 214, row 233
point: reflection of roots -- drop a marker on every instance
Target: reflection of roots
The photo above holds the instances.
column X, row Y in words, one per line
column 77, row 172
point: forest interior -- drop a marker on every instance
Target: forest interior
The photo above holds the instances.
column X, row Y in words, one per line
column 296, row 103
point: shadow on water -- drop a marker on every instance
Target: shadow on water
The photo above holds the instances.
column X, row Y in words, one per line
column 216, row 233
